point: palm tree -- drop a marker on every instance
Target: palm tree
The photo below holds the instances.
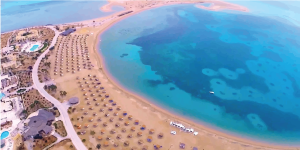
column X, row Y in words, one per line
column 35, row 103
column 64, row 93
column 98, row 146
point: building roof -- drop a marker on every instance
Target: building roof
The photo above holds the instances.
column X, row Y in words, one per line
column 73, row 100
column 39, row 123
column 67, row 32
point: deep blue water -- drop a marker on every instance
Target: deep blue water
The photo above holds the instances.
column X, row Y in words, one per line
column 21, row 14
column 180, row 53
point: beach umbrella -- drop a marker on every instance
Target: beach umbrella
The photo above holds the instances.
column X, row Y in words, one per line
column 145, row 147
column 115, row 113
column 106, row 144
column 120, row 118
column 106, row 95
column 95, row 99
column 104, row 124
column 113, row 131
column 86, row 98
column 126, row 143
column 117, row 125
column 119, row 108
column 88, row 103
column 151, row 131
column 126, row 123
column 182, row 145
column 123, row 130
column 86, row 113
column 110, row 108
column 114, row 103
column 102, row 131
column 160, row 135
column 116, row 144
column 143, row 127
column 78, row 126
column 97, row 104
column 95, row 124
column 140, row 141
column 124, row 113
column 82, row 108
column 86, row 125
column 105, row 104
column 108, row 137
column 99, row 137
column 136, row 122
column 111, row 119
column 106, row 115
column 129, row 136
column 157, row 146
column 119, row 136
column 130, row 117
column 149, row 138
column 132, row 128
column 94, row 114
column 101, row 110
column 139, row 133
column 99, row 119
column 91, row 108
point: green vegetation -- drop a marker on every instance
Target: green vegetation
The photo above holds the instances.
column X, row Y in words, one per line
column 43, row 48
column 21, row 90
column 83, row 140
column 63, row 93
column 55, row 125
column 26, row 33
column 92, row 132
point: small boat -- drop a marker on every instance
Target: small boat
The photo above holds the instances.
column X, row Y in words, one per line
column 211, row 92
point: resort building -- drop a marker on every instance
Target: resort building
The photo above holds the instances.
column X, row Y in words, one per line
column 8, row 82
column 39, row 123
column 68, row 31
column 7, row 50
column 11, row 108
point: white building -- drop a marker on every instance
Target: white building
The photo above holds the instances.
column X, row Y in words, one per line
column 10, row 110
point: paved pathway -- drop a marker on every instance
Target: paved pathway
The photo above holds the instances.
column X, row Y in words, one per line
column 63, row 112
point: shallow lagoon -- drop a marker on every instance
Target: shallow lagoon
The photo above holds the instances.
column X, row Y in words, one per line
column 181, row 53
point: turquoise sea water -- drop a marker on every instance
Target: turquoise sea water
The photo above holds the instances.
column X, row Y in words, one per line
column 176, row 55
column 21, row 14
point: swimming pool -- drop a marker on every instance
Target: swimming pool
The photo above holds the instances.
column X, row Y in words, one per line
column 34, row 47
column 2, row 95
column 4, row 134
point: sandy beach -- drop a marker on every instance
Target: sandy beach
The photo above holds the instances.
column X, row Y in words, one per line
column 140, row 108
column 220, row 5
column 141, row 104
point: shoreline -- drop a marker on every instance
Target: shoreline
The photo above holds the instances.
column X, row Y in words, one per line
column 221, row 5
column 198, row 125
column 140, row 99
